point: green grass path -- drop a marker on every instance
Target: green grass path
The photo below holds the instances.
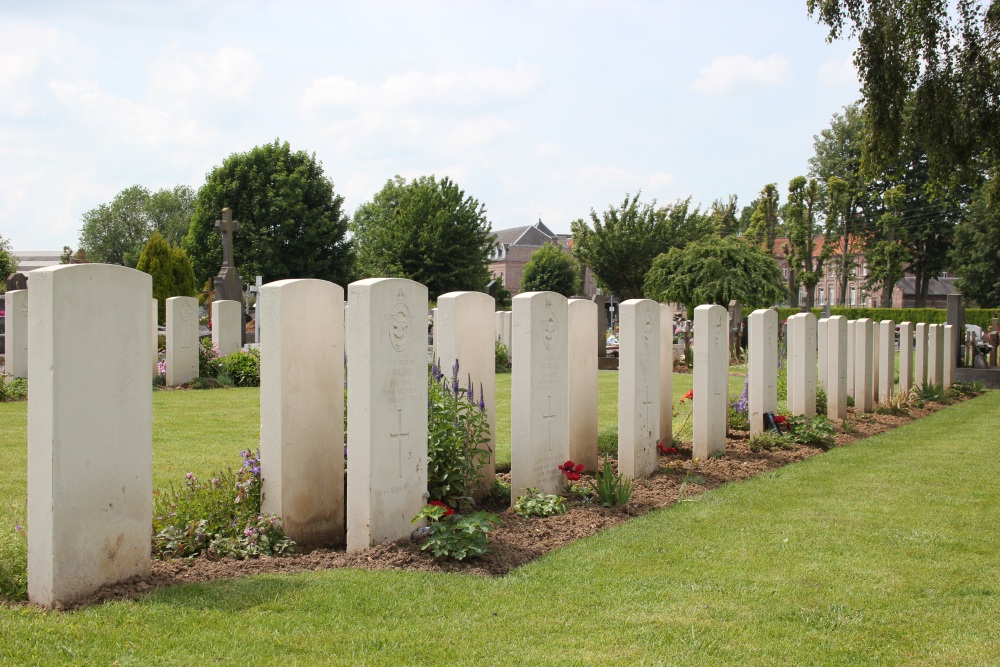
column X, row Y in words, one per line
column 883, row 553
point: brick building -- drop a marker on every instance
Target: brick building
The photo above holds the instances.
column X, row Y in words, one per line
column 514, row 247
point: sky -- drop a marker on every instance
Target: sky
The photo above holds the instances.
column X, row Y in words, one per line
column 539, row 110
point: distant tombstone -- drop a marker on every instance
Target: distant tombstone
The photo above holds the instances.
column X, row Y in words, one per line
column 864, row 343
column 539, row 432
column 90, row 430
column 666, row 374
column 956, row 318
column 935, row 355
column 802, row 364
column 302, row 408
column 850, row 358
column 949, row 357
column 821, row 353
column 905, row 358
column 508, row 325
column 182, row 340
column 602, row 343
column 886, row 360
column 498, row 326
column 226, row 323
column 639, row 388
column 876, row 359
column 711, row 367
column 762, row 372
column 155, row 343
column 386, row 409
column 16, row 335
column 920, row 356
column 735, row 320
column 835, row 352
column 826, row 311
column 582, row 382
column 228, row 285
column 464, row 332
column 17, row 281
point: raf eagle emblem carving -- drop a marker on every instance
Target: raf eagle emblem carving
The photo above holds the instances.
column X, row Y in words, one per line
column 400, row 323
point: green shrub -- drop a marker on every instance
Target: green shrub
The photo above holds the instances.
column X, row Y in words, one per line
column 535, row 503
column 499, row 493
column 502, row 355
column 242, row 367
column 458, row 436
column 769, row 440
column 218, row 518
column 611, row 489
column 815, row 431
column 820, row 401
column 13, row 389
column 455, row 535
column 209, row 361
column 932, row 392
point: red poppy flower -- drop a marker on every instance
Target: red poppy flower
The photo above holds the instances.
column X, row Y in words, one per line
column 440, row 503
column 571, row 470
column 690, row 394
column 780, row 419
column 666, row 450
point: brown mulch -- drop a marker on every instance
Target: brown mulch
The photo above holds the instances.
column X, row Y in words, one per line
column 518, row 541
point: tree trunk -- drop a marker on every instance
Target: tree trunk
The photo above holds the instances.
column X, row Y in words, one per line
column 793, row 289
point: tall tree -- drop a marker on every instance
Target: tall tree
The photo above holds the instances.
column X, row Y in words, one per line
column 292, row 224
column 885, row 248
column 805, row 201
column 620, row 245
column 976, row 253
column 170, row 212
column 170, row 269
column 551, row 269
column 929, row 70
column 723, row 215
column 716, row 270
column 427, row 230
column 763, row 229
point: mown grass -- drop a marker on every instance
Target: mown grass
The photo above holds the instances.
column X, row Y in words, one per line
column 882, row 553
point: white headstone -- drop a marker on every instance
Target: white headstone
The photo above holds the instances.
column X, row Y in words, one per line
column 498, row 326
column 539, row 432
column 386, row 409
column 886, row 360
column 508, row 326
column 582, row 383
column 227, row 319
column 666, row 373
column 302, row 407
column 948, row 356
column 850, row 357
column 182, row 340
column 639, row 388
column 802, row 364
column 465, row 333
column 920, row 356
column 935, row 355
column 156, row 337
column 836, row 367
column 762, row 371
column 711, row 386
column 90, row 430
column 864, row 342
column 876, row 356
column 16, row 336
column 905, row 357
column 821, row 354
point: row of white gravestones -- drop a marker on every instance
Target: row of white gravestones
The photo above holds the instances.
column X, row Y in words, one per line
column 503, row 321
column 16, row 336
column 582, row 383
column 801, row 384
column 639, row 388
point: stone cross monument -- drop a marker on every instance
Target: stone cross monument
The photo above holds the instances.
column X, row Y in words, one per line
column 228, row 285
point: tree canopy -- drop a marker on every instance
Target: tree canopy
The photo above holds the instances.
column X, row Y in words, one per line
column 976, row 253
column 620, row 245
column 8, row 263
column 551, row 269
column 716, row 270
column 425, row 230
column 292, row 224
column 170, row 269
column 929, row 69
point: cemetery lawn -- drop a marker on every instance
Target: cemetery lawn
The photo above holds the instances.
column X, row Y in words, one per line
column 883, row 552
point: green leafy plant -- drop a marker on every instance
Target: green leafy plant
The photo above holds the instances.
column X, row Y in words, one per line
column 611, row 488
column 217, row 518
column 815, row 431
column 458, row 436
column 502, row 360
column 769, row 440
column 13, row 389
column 454, row 535
column 932, row 392
column 897, row 404
column 820, row 401
column 209, row 361
column 535, row 503
column 242, row 367
column 499, row 493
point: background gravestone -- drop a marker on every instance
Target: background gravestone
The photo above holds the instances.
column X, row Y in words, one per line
column 539, row 422
column 802, row 364
column 182, row 340
column 228, row 286
column 227, row 321
column 90, row 430
column 836, row 367
column 16, row 334
column 905, row 358
column 762, row 371
column 582, row 370
column 886, row 360
column 711, row 386
column 864, row 342
column 666, row 374
column 17, row 281
column 386, row 409
column 920, row 356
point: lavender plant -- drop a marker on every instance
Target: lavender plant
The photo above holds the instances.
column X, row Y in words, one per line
column 739, row 411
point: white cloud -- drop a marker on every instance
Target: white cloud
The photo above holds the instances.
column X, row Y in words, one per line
column 184, row 81
column 839, row 72
column 547, row 149
column 24, row 51
column 597, row 175
column 728, row 74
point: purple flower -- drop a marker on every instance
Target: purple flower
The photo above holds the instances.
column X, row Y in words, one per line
column 248, row 531
column 470, row 392
column 482, row 401
column 190, row 475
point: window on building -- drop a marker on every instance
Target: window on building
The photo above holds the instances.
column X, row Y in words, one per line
column 822, row 297
column 784, row 272
column 853, row 296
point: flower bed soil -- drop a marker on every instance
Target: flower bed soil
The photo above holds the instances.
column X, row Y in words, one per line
column 518, row 540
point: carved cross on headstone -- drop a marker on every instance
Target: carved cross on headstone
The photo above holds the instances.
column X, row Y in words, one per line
column 226, row 227
column 645, row 404
column 399, row 436
column 548, row 418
